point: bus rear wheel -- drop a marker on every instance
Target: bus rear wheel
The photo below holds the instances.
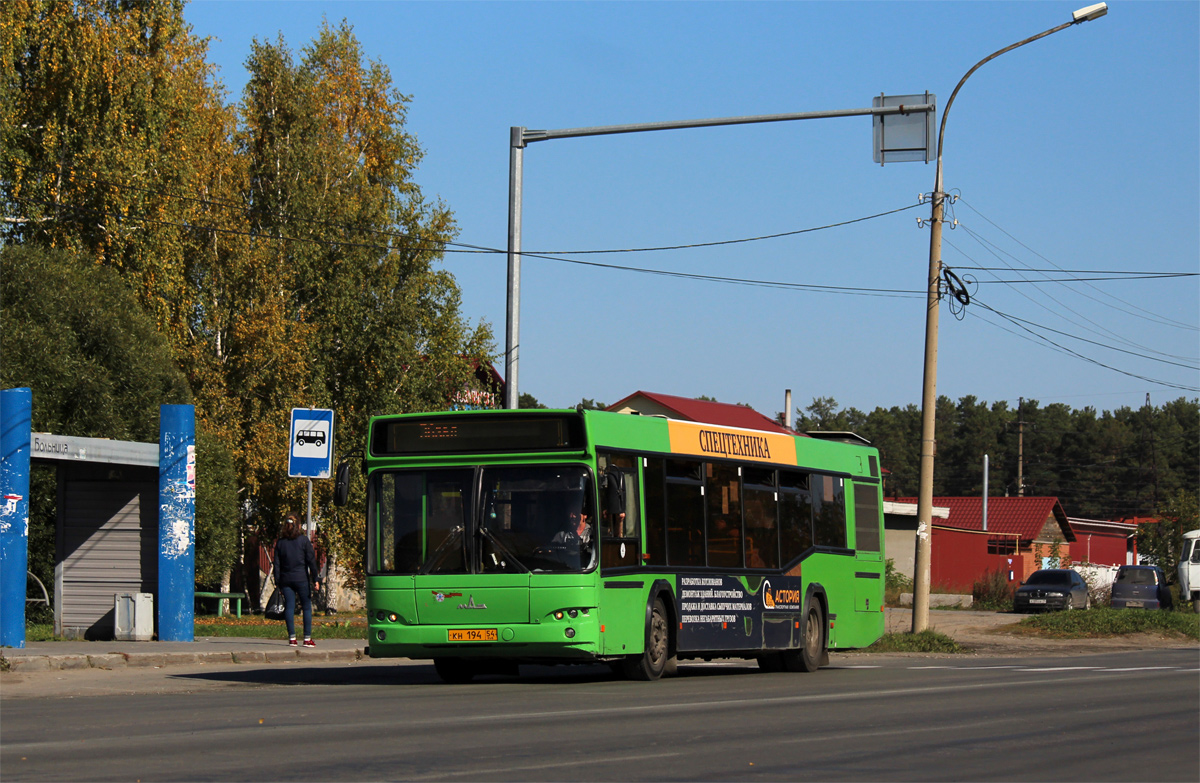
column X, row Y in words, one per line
column 454, row 670
column 812, row 649
column 651, row 664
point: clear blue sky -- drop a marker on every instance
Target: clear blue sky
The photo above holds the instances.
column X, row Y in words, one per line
column 1076, row 152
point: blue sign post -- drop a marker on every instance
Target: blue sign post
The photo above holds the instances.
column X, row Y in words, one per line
column 176, row 523
column 16, row 415
column 311, row 443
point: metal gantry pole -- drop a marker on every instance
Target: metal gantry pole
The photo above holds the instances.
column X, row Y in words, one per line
column 519, row 137
column 512, row 334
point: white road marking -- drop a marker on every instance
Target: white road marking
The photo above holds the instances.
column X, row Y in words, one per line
column 574, row 762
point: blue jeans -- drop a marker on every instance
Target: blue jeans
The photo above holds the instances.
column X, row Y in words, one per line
column 290, row 591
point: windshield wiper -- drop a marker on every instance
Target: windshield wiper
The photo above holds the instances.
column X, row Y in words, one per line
column 508, row 555
column 455, row 535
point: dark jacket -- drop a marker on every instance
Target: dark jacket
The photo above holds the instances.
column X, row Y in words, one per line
column 293, row 558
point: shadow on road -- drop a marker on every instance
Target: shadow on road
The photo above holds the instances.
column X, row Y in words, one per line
column 424, row 674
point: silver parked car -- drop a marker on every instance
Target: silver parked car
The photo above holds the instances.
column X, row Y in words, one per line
column 1052, row 588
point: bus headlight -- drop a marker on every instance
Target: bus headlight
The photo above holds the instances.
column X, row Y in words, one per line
column 570, row 633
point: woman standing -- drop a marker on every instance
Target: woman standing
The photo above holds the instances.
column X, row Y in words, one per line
column 295, row 565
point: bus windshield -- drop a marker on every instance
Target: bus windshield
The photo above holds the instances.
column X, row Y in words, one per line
column 539, row 516
column 534, row 518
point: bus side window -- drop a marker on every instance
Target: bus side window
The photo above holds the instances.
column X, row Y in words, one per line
column 685, row 513
column 618, row 495
column 724, row 515
column 620, row 518
column 761, row 512
column 866, row 518
column 795, row 515
column 829, row 512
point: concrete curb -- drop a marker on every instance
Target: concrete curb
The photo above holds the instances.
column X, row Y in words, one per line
column 40, row 663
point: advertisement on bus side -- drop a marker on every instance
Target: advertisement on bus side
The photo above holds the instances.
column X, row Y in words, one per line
column 718, row 612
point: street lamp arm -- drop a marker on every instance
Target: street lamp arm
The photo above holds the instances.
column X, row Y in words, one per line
column 977, row 66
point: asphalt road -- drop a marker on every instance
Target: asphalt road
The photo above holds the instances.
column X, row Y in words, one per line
column 1115, row 716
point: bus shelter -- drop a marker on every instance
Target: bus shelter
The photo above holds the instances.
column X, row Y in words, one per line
column 125, row 524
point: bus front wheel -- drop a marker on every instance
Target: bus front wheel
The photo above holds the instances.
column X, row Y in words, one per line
column 651, row 664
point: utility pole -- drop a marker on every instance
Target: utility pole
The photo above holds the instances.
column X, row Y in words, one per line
column 924, row 543
column 1020, row 448
column 985, row 491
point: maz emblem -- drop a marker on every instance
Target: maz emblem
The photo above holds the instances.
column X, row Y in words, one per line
column 470, row 604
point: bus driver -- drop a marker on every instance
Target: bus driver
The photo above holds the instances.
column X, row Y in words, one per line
column 578, row 532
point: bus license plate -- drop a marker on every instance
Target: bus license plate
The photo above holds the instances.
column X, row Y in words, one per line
column 473, row 635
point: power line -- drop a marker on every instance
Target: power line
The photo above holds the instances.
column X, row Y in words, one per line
column 1076, row 354
column 1147, row 315
column 1119, row 276
column 1104, row 332
column 247, row 211
column 727, row 241
column 1075, row 271
column 1114, row 335
column 812, row 287
column 1092, row 342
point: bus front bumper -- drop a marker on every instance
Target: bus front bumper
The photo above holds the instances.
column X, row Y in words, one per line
column 568, row 640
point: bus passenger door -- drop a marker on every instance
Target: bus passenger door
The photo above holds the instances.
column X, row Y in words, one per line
column 868, row 549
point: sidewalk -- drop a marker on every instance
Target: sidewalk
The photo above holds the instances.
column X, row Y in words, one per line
column 48, row 656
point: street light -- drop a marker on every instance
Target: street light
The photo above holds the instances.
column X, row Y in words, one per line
column 920, row 617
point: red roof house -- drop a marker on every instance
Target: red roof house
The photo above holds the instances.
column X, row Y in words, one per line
column 686, row 409
column 1032, row 519
column 1023, row 534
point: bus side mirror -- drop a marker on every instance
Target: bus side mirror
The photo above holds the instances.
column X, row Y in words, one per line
column 341, row 484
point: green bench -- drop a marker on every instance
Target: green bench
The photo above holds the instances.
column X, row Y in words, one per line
column 236, row 597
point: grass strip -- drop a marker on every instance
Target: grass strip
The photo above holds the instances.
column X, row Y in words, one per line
column 926, row 641
column 249, row 626
column 255, row 626
column 1100, row 622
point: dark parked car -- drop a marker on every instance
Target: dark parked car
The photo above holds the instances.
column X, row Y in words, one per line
column 1141, row 587
column 1052, row 588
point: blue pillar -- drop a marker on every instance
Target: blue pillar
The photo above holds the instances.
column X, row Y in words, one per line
column 176, row 523
column 16, row 413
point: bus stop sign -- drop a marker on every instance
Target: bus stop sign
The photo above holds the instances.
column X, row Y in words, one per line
column 311, row 444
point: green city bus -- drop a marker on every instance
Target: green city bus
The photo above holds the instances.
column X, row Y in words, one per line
column 496, row 538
